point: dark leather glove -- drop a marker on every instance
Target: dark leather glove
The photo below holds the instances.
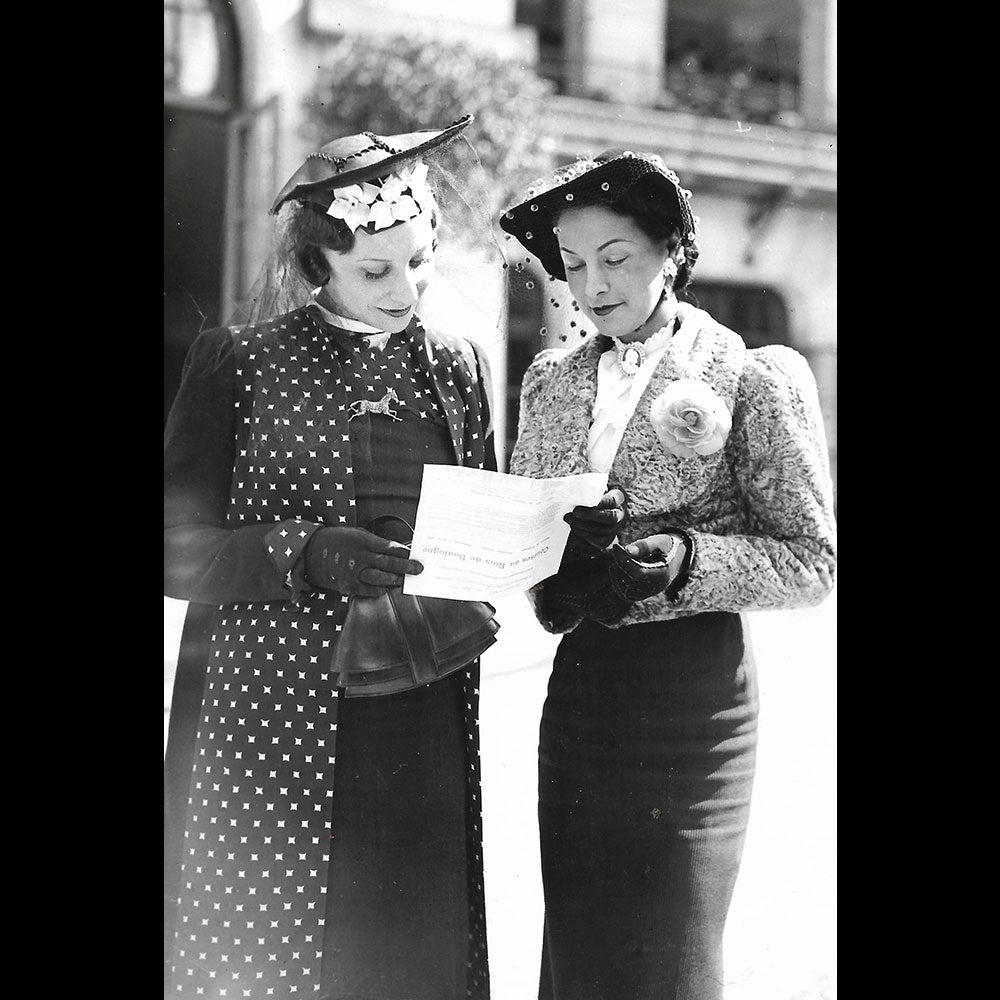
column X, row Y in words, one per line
column 355, row 561
column 582, row 589
column 597, row 527
column 650, row 566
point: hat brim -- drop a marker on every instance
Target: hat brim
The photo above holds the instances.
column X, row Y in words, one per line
column 312, row 181
column 531, row 222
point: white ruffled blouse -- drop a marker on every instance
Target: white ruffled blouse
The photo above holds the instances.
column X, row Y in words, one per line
column 618, row 394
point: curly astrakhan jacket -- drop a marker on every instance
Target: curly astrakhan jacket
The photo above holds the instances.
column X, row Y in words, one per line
column 761, row 508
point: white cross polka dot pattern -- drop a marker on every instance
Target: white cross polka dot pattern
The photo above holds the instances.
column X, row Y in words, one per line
column 257, row 841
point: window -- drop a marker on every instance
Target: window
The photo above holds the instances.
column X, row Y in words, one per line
column 196, row 60
column 547, row 18
column 736, row 59
column 757, row 313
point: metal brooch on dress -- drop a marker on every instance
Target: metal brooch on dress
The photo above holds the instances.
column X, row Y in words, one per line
column 380, row 406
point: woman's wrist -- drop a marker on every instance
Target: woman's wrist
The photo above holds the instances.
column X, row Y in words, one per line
column 681, row 563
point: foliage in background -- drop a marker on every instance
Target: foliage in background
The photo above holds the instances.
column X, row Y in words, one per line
column 395, row 84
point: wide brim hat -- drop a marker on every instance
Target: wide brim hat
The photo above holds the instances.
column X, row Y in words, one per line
column 603, row 179
column 362, row 157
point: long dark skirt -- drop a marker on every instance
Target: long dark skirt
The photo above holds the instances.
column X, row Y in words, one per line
column 401, row 903
column 646, row 761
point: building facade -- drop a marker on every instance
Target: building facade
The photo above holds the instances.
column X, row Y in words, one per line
column 737, row 96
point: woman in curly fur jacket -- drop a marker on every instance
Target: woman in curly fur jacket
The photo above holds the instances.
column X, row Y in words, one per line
column 719, row 502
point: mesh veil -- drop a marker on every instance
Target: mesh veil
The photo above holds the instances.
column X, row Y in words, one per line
column 465, row 296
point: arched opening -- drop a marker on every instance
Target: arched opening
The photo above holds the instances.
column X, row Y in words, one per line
column 201, row 72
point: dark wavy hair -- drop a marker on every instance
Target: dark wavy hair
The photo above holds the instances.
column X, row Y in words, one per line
column 311, row 229
column 644, row 205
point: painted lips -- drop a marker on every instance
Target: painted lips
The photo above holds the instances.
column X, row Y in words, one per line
column 604, row 310
column 395, row 313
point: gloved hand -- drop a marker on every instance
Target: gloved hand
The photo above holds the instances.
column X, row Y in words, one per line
column 597, row 527
column 582, row 589
column 355, row 561
column 647, row 566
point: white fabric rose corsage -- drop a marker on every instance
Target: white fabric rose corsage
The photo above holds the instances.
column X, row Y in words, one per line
column 690, row 419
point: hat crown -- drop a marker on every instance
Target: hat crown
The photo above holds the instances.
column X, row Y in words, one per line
column 604, row 178
column 366, row 148
column 364, row 156
column 648, row 163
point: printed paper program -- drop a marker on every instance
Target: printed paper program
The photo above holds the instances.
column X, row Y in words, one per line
column 482, row 535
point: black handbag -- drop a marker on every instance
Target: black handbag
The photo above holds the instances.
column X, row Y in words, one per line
column 397, row 642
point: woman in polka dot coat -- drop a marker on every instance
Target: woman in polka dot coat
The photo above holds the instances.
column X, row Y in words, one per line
column 321, row 846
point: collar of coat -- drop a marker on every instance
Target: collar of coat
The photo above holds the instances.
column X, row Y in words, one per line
column 450, row 362
column 562, row 411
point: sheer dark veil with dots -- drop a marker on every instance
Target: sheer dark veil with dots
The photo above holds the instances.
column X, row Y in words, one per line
column 532, row 295
column 540, row 306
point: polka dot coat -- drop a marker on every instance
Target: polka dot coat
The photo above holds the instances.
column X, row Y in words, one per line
column 256, row 842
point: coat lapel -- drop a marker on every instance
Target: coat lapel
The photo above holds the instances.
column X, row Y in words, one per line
column 700, row 349
column 451, row 366
column 570, row 398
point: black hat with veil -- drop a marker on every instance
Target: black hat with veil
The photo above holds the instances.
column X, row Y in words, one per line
column 602, row 179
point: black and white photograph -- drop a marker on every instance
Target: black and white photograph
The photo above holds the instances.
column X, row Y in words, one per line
column 500, row 500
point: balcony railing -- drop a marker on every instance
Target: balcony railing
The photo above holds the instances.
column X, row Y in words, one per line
column 735, row 97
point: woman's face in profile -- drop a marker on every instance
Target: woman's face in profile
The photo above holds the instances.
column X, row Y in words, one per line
column 381, row 279
column 614, row 270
